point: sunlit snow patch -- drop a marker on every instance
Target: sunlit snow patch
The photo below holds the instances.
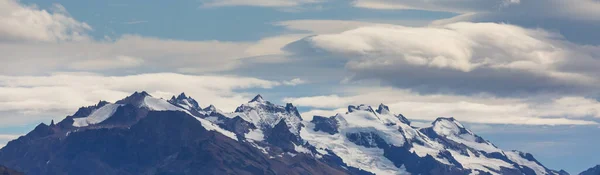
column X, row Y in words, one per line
column 99, row 115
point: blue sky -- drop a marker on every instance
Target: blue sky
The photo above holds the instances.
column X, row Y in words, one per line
column 517, row 73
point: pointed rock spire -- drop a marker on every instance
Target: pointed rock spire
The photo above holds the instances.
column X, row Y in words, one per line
column 185, row 102
column 210, row 108
column 257, row 98
column 290, row 108
column 383, row 109
column 182, row 96
column 101, row 103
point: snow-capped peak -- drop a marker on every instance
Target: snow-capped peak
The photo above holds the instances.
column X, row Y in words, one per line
column 383, row 109
column 449, row 126
column 145, row 100
column 266, row 115
column 258, row 98
column 185, row 102
column 362, row 107
column 451, row 129
column 377, row 141
column 210, row 108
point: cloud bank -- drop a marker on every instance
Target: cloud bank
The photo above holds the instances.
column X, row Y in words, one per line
column 577, row 20
column 23, row 23
column 568, row 110
column 460, row 58
column 62, row 93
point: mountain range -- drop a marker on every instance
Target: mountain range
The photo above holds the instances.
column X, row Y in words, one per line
column 141, row 134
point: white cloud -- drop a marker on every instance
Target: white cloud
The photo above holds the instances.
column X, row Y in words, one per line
column 61, row 43
column 574, row 9
column 20, row 23
column 63, row 93
column 577, row 20
column 111, row 63
column 263, row 3
column 272, row 45
column 459, row 52
column 157, row 55
column 461, row 43
column 475, row 109
column 294, row 82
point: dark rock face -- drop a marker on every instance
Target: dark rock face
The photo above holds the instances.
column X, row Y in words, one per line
column 329, row 125
column 125, row 115
column 335, row 160
column 281, row 136
column 421, row 165
column 166, row 142
column 403, row 119
column 366, row 139
column 592, row 171
column 292, row 110
column 362, row 107
column 7, row 171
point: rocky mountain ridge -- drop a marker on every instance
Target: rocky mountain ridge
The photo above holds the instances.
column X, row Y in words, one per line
column 141, row 134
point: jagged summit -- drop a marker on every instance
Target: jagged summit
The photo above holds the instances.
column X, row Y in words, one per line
column 360, row 141
column 186, row 102
column 87, row 110
column 210, row 108
column 445, row 118
column 182, row 96
column 383, row 109
column 361, row 107
column 258, row 98
column 102, row 103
